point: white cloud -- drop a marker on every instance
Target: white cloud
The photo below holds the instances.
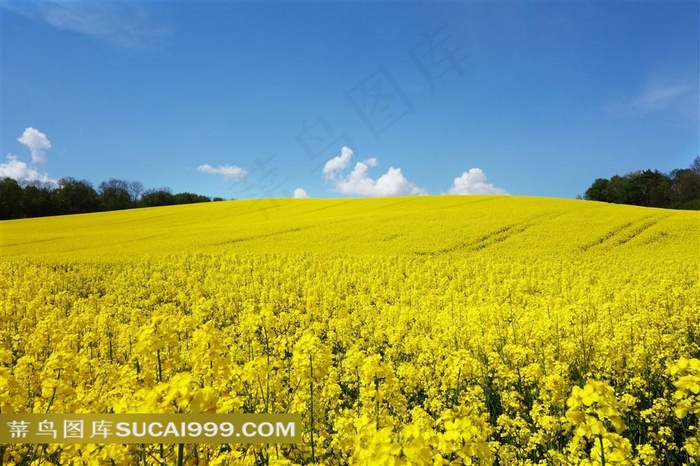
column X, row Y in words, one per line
column 20, row 171
column 37, row 143
column 474, row 182
column 227, row 171
column 300, row 194
column 668, row 88
column 358, row 181
column 658, row 98
column 124, row 23
column 338, row 163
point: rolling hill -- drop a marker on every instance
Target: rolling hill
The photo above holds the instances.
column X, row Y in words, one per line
column 521, row 226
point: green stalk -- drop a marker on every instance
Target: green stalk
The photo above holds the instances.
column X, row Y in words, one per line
column 376, row 401
column 311, row 422
column 160, row 367
column 180, row 454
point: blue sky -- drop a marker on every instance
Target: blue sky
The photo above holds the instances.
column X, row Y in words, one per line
column 243, row 100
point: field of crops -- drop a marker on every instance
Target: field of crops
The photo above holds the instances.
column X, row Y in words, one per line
column 427, row 330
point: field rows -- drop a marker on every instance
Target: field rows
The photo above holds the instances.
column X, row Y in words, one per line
column 503, row 331
column 424, row 226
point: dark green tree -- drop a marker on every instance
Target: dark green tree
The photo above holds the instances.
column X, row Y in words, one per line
column 10, row 199
column 616, row 190
column 650, row 188
column 598, row 190
column 76, row 197
column 654, row 188
column 39, row 199
column 114, row 195
column 157, row 198
column 685, row 185
column 189, row 198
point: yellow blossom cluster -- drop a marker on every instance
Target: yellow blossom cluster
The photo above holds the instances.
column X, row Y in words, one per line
column 687, row 381
column 522, row 345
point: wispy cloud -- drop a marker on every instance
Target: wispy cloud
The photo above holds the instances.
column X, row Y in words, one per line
column 358, row 181
column 229, row 172
column 658, row 98
column 126, row 24
column 474, row 182
column 668, row 88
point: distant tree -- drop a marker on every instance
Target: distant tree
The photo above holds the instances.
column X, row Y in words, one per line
column 217, row 199
column 685, row 187
column 189, row 198
column 616, row 191
column 10, row 199
column 39, row 199
column 114, row 195
column 136, row 190
column 632, row 191
column 695, row 166
column 650, row 188
column 20, row 199
column 157, row 198
column 654, row 188
column 598, row 190
column 76, row 197
column 686, row 184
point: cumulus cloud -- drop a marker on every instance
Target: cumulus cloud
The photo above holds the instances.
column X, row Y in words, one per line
column 37, row 143
column 229, row 172
column 300, row 194
column 474, row 182
column 20, row 171
column 358, row 181
column 338, row 163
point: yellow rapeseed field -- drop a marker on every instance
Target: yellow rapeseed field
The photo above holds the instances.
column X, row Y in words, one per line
column 423, row 330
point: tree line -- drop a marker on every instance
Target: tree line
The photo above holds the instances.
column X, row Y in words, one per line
column 679, row 189
column 25, row 199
